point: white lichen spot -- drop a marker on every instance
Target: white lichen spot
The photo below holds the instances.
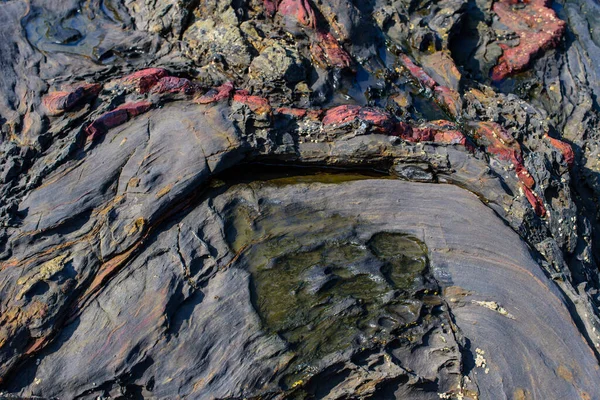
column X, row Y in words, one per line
column 492, row 305
column 480, row 361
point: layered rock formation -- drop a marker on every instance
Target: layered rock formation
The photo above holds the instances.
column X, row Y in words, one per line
column 208, row 199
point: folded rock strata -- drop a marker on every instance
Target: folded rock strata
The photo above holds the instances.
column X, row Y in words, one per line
column 209, row 199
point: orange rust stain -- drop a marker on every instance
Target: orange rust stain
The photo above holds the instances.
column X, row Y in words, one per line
column 106, row 270
column 454, row 293
column 585, row 395
column 109, row 206
column 37, row 345
column 137, row 226
column 164, row 191
column 521, row 394
column 565, row 373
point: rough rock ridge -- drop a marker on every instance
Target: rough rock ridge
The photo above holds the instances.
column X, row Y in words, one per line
column 299, row 199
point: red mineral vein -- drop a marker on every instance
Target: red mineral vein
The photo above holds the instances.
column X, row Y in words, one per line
column 446, row 98
column 301, row 10
column 294, row 112
column 172, row 84
column 144, row 79
column 417, row 72
column 106, row 121
column 538, row 29
column 379, row 120
column 270, row 7
column 565, row 149
column 213, row 95
column 524, row 176
column 257, row 104
column 58, row 102
column 440, row 131
column 535, row 201
column 116, row 117
column 136, row 108
column 326, row 50
column 341, row 115
column 500, row 143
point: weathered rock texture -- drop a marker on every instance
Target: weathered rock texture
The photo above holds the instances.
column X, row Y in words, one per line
column 143, row 254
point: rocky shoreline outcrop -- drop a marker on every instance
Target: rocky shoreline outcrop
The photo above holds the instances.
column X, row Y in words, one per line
column 143, row 254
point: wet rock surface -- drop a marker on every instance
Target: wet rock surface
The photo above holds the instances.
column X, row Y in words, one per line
column 299, row 199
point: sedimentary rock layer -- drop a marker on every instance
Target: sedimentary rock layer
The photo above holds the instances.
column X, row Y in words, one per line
column 144, row 254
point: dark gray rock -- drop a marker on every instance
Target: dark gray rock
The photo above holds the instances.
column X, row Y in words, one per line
column 153, row 258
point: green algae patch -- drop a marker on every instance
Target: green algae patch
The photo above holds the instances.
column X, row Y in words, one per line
column 405, row 257
column 319, row 285
column 338, row 296
column 314, row 301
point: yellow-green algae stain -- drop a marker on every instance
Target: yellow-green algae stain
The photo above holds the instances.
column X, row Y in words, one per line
column 316, row 284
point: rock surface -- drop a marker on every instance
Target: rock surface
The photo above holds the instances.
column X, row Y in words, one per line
column 208, row 199
column 182, row 310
